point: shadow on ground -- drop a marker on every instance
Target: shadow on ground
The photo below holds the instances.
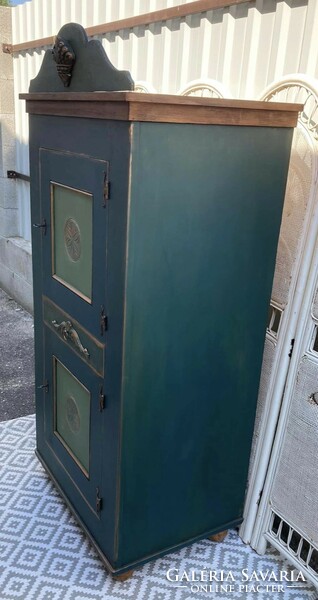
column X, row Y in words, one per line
column 16, row 360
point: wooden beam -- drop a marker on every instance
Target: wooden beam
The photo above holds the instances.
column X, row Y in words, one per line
column 174, row 12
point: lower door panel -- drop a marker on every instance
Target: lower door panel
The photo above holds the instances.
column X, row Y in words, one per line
column 73, row 426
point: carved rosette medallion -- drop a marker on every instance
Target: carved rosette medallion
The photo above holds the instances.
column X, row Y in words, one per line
column 64, row 57
column 72, row 415
column 72, row 239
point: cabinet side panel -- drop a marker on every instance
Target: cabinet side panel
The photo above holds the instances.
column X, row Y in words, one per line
column 206, row 204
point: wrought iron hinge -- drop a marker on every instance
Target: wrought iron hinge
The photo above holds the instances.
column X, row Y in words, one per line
column 99, row 501
column 42, row 225
column 44, row 387
column 106, row 189
column 292, row 342
column 103, row 321
column 101, row 399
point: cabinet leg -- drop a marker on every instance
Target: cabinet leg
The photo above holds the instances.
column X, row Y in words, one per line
column 218, row 537
column 123, row 576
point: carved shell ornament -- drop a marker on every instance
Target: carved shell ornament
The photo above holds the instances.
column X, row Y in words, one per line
column 64, row 57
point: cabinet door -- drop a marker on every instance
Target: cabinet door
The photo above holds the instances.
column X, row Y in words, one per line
column 73, row 230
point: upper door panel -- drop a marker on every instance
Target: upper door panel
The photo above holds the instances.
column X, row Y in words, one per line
column 74, row 236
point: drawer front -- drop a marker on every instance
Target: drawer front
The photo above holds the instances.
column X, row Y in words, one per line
column 77, row 339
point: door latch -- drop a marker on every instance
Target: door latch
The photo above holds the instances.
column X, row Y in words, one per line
column 42, row 225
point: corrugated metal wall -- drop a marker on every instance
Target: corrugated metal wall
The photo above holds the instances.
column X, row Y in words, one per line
column 244, row 47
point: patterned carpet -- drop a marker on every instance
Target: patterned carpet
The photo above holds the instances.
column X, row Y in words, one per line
column 45, row 556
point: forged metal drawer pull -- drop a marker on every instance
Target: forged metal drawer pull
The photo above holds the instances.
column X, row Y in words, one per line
column 69, row 334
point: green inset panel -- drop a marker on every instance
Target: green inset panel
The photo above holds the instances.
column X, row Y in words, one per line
column 72, row 414
column 72, row 238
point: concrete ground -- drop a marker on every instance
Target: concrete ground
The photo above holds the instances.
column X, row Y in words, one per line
column 16, row 360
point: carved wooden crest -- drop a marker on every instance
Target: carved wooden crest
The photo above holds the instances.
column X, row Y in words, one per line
column 76, row 64
column 64, row 57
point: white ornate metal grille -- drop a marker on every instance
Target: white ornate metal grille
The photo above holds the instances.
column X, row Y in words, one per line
column 286, row 538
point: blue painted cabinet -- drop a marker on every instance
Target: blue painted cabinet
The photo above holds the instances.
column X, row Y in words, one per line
column 156, row 227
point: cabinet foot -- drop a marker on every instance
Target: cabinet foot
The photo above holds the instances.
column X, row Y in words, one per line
column 218, row 537
column 123, row 576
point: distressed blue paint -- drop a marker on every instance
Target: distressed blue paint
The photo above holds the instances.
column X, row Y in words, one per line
column 185, row 274
column 205, row 213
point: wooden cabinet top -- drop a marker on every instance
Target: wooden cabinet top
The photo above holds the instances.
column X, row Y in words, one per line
column 162, row 108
